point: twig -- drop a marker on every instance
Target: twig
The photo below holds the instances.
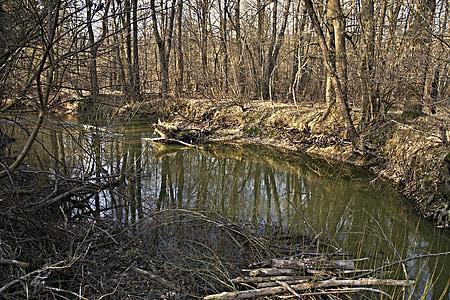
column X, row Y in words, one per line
column 5, row 261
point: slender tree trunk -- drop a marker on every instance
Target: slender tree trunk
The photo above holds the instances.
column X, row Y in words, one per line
column 224, row 41
column 94, row 88
column 136, row 77
column 128, row 47
column 240, row 49
column 368, row 23
column 329, row 38
column 276, row 41
column 43, row 95
column 180, row 58
column 164, row 45
column 204, row 40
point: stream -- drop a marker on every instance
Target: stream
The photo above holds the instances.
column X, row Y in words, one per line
column 267, row 189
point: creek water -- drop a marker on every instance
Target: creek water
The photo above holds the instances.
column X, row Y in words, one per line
column 266, row 189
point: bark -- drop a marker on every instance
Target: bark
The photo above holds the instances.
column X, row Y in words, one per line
column 164, row 45
column 135, row 66
column 180, row 57
column 368, row 23
column 336, row 81
column 224, row 42
column 329, row 38
column 128, row 47
column 203, row 19
column 298, row 51
column 240, row 50
column 276, row 41
column 95, row 44
column 339, row 42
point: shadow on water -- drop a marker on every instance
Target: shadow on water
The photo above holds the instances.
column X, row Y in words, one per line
column 266, row 189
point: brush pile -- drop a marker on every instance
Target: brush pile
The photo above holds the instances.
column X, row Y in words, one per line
column 303, row 275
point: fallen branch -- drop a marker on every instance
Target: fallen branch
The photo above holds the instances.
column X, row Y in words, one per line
column 270, row 291
column 154, row 277
column 266, row 279
column 5, row 261
column 161, row 139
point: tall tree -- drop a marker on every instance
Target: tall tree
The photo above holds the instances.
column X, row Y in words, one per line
column 135, row 66
column 335, row 79
column 180, row 55
column 275, row 44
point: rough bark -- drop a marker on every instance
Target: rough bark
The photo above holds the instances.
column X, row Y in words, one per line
column 336, row 81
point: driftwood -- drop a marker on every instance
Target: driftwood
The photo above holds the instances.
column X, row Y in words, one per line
column 270, row 291
column 298, row 276
column 187, row 136
column 312, row 263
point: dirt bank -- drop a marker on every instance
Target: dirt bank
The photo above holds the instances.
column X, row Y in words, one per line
column 411, row 153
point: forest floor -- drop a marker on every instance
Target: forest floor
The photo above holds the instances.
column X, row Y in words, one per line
column 413, row 153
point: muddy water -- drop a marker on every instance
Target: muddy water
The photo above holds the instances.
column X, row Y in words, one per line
column 266, row 189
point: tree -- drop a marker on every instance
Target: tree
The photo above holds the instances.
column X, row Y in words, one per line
column 163, row 36
column 334, row 73
column 93, row 44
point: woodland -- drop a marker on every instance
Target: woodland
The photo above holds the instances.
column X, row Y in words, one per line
column 365, row 82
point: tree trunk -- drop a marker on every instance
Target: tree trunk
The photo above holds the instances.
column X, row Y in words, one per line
column 276, row 41
column 164, row 45
column 94, row 88
column 224, row 41
column 136, row 77
column 128, row 47
column 180, row 58
column 336, row 81
column 329, row 38
column 203, row 18
column 240, row 49
column 368, row 23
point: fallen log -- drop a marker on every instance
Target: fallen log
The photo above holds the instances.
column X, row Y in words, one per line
column 316, row 264
column 271, row 291
column 266, row 279
column 271, row 272
column 277, row 282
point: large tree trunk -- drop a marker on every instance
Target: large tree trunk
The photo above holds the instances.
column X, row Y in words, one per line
column 336, row 81
column 339, row 43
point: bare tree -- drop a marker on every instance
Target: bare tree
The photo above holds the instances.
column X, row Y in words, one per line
column 163, row 36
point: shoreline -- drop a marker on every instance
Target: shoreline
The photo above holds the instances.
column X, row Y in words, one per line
column 407, row 153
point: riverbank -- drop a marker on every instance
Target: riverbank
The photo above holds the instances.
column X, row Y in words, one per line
column 413, row 154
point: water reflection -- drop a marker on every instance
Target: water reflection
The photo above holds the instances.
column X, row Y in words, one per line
column 265, row 189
